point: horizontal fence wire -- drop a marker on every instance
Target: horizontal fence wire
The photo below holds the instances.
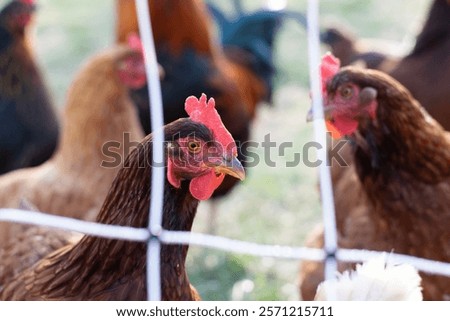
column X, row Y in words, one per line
column 215, row 242
column 75, row 225
column 242, row 247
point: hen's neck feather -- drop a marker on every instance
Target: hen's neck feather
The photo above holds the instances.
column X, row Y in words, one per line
column 403, row 138
column 96, row 112
column 194, row 26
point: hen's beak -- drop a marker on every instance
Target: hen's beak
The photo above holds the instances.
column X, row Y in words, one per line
column 232, row 167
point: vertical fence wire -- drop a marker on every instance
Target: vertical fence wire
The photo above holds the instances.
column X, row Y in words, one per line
column 320, row 132
column 157, row 122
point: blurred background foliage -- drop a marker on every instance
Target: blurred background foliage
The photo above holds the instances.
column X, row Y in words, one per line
column 275, row 205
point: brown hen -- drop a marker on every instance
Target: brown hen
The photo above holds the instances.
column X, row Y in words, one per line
column 401, row 174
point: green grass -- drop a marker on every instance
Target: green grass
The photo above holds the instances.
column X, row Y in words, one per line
column 274, row 205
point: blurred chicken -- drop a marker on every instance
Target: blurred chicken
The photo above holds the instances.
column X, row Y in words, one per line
column 350, row 50
column 427, row 63
column 28, row 123
column 397, row 192
column 374, row 280
column 239, row 79
column 100, row 124
column 425, row 72
column 104, row 269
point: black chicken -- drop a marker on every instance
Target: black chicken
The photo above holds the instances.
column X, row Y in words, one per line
column 28, row 124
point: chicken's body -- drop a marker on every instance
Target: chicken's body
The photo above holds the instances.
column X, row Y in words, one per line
column 28, row 121
column 103, row 269
column 401, row 173
column 75, row 181
column 428, row 62
column 31, row 245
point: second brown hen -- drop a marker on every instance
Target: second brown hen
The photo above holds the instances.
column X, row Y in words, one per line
column 75, row 181
column 401, row 175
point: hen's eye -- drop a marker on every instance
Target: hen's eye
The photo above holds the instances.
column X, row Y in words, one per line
column 194, row 146
column 346, row 92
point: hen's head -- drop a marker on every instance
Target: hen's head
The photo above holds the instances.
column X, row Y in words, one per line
column 17, row 15
column 350, row 96
column 132, row 65
column 201, row 150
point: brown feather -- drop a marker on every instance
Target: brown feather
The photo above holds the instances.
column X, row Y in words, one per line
column 169, row 23
column 400, row 186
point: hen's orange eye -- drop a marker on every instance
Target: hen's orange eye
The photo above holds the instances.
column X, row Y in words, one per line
column 346, row 92
column 194, row 146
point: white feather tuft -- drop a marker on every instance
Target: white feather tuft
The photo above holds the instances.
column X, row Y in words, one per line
column 374, row 280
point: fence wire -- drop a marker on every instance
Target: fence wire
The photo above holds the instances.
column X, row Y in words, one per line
column 213, row 241
column 154, row 235
column 158, row 172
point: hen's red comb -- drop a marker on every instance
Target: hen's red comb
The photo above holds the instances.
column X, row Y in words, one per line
column 328, row 68
column 134, row 42
column 204, row 112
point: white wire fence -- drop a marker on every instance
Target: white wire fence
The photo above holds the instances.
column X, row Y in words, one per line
column 154, row 235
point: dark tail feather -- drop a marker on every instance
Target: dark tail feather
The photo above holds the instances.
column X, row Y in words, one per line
column 253, row 34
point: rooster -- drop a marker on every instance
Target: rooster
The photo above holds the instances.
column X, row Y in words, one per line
column 98, row 111
column 199, row 152
column 401, row 171
column 29, row 125
column 238, row 76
